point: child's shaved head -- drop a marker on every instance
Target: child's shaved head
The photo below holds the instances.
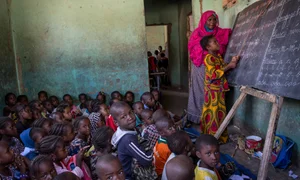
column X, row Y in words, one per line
column 116, row 107
column 159, row 113
column 179, row 168
column 109, row 167
column 206, row 139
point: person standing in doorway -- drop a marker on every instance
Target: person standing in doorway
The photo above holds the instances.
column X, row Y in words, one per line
column 208, row 25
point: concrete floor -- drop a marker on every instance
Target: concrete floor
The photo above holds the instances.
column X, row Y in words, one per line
column 176, row 102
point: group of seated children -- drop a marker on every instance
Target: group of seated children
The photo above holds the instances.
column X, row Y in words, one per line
column 45, row 139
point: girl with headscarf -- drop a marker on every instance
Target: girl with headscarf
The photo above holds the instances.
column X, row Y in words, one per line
column 208, row 25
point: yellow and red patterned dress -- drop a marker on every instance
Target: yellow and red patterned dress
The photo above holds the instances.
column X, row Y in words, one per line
column 215, row 86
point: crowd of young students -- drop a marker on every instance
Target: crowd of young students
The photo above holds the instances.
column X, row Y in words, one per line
column 45, row 139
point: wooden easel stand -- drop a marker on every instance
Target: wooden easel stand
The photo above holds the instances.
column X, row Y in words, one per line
column 277, row 103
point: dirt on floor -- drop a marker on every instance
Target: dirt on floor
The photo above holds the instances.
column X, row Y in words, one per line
column 176, row 102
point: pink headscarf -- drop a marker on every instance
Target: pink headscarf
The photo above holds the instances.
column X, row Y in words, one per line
column 197, row 54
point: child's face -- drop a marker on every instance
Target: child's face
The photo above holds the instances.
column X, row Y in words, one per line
column 67, row 115
column 11, row 100
column 60, row 151
column 39, row 106
column 125, row 119
column 82, row 99
column 209, row 155
column 24, row 101
column 100, row 98
column 6, row 154
column 147, row 118
column 112, row 170
column 149, row 101
column 42, row 97
column 101, row 121
column 104, row 110
column 54, row 101
column 213, row 45
column 84, row 127
column 46, row 171
column 129, row 97
column 47, row 126
column 69, row 100
column 69, row 135
column 155, row 95
column 36, row 114
column 49, row 107
column 10, row 129
column 168, row 130
column 117, row 96
column 26, row 113
column 138, row 108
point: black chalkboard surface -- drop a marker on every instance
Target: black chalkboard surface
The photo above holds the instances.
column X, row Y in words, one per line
column 267, row 37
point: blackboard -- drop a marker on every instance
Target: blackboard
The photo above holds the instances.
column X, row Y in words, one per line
column 267, row 37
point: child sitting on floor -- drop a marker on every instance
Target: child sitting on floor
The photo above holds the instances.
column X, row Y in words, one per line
column 109, row 167
column 10, row 101
column 8, row 133
column 156, row 96
column 54, row 147
column 29, row 138
column 45, row 123
column 180, row 168
column 42, row 96
column 148, row 101
column 24, row 115
column 101, row 97
column 117, row 95
column 96, row 118
column 179, row 144
column 42, row 167
column 23, row 99
column 82, row 106
column 36, row 105
column 129, row 98
column 66, row 112
column 126, row 141
column 48, row 107
column 54, row 101
column 66, row 131
column 207, row 150
column 74, row 110
column 138, row 107
column 82, row 128
column 165, row 127
column 7, row 160
column 102, row 146
column 149, row 132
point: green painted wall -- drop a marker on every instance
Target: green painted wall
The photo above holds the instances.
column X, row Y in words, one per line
column 184, row 8
column 80, row 46
column 254, row 113
column 8, row 79
column 165, row 12
column 156, row 37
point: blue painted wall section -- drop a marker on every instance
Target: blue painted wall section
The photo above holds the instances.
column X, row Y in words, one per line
column 8, row 79
column 80, row 46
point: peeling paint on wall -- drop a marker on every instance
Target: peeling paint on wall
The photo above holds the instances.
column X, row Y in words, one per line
column 8, row 80
column 80, row 47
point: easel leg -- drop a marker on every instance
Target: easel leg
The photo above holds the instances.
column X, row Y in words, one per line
column 263, row 170
column 230, row 115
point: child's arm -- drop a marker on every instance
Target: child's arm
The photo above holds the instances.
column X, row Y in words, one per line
column 215, row 71
column 138, row 152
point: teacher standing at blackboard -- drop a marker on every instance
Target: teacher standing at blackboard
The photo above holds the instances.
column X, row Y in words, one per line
column 208, row 25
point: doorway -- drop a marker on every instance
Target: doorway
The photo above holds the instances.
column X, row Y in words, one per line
column 158, row 46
